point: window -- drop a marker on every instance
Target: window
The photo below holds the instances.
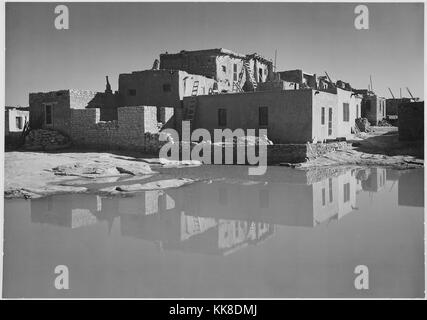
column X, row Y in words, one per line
column 159, row 114
column 167, row 87
column 222, row 117
column 331, row 196
column 330, row 122
column 48, row 114
column 346, row 112
column 323, row 116
column 357, row 111
column 260, row 75
column 235, row 72
column 263, row 116
column 347, row 192
column 224, row 69
column 323, row 197
column 132, row 92
column 19, row 122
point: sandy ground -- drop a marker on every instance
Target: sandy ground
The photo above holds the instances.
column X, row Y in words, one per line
column 38, row 174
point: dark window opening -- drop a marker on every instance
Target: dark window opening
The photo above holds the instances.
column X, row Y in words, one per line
column 330, row 122
column 19, row 122
column 346, row 112
column 347, row 192
column 331, row 196
column 167, row 87
column 224, row 69
column 323, row 116
column 357, row 111
column 48, row 114
column 323, row 197
column 235, row 72
column 132, row 92
column 263, row 116
column 222, row 117
column 260, row 75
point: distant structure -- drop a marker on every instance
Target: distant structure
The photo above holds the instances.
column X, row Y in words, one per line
column 15, row 120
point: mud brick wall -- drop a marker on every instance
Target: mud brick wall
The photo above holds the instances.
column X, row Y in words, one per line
column 411, row 121
column 135, row 129
column 60, row 111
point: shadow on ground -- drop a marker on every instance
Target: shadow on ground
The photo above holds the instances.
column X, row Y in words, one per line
column 386, row 141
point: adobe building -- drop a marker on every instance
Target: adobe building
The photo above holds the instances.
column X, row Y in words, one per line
column 232, row 71
column 373, row 107
column 291, row 116
column 392, row 106
column 298, row 79
column 52, row 110
column 411, row 121
column 161, row 88
column 15, row 119
column 349, row 109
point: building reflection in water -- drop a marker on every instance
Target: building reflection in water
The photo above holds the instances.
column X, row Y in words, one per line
column 218, row 217
column 411, row 188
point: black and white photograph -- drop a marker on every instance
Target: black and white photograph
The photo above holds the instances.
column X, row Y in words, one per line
column 213, row 150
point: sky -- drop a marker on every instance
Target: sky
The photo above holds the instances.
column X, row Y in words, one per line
column 113, row 38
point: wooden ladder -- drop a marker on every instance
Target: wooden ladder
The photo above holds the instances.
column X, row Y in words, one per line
column 237, row 85
column 191, row 107
column 196, row 223
column 250, row 75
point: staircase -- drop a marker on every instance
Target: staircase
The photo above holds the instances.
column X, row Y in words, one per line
column 250, row 74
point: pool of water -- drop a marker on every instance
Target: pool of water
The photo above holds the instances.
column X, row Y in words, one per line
column 288, row 233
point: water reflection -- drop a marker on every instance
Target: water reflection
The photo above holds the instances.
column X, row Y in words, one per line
column 411, row 189
column 222, row 216
column 286, row 234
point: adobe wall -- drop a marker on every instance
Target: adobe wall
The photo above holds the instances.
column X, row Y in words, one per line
column 150, row 90
column 411, row 121
column 393, row 105
column 372, row 109
column 63, row 101
column 10, row 120
column 60, row 110
column 344, row 96
column 323, row 100
column 134, row 128
column 289, row 113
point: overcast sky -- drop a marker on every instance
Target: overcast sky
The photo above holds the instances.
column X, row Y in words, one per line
column 112, row 38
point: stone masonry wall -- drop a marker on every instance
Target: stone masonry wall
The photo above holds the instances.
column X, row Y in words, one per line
column 136, row 129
